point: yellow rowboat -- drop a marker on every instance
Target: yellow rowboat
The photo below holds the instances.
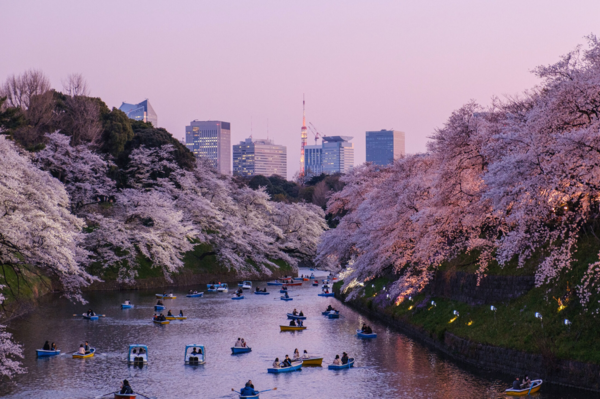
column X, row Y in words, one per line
column 292, row 328
column 176, row 317
column 537, row 384
column 312, row 361
column 89, row 354
column 161, row 296
column 161, row 322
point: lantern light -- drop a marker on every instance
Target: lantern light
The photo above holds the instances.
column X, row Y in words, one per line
column 493, row 308
column 567, row 322
column 410, row 298
column 538, row 315
column 456, row 313
column 432, row 303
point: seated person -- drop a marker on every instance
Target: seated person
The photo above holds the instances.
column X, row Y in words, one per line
column 190, row 292
column 296, row 354
column 257, row 289
column 126, row 302
column 337, row 361
column 46, row 346
column 81, row 350
column 286, row 295
column 292, row 323
column 287, row 362
column 305, row 355
column 238, row 343
column 301, row 314
column 194, row 355
column 87, row 347
column 248, row 390
column 180, row 313
column 159, row 303
column 276, row 363
column 53, row 347
column 516, row 384
column 300, row 323
column 264, row 290
column 329, row 308
column 169, row 313
column 243, row 343
column 126, row 388
column 345, row 358
column 526, row 382
column 195, row 292
column 295, row 312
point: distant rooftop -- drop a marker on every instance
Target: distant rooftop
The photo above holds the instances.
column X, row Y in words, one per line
column 334, row 139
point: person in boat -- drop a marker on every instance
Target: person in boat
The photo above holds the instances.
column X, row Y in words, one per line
column 296, row 354
column 295, row 312
column 287, row 362
column 164, row 293
column 169, row 313
column 53, row 346
column 87, row 347
column 286, row 295
column 190, row 292
column 337, row 361
column 293, row 323
column 345, row 358
column 162, row 317
column 248, row 390
column 276, row 363
column 180, row 313
column 257, row 289
column 284, row 288
column 159, row 303
column 526, row 382
column 300, row 323
column 81, row 350
column 46, row 346
column 329, row 308
column 301, row 314
column 195, row 292
column 305, row 355
column 516, row 384
column 125, row 388
column 326, row 291
column 238, row 343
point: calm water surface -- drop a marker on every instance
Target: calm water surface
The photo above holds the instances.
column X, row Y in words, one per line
column 391, row 366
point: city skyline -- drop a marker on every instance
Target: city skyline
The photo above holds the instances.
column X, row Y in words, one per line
column 381, row 66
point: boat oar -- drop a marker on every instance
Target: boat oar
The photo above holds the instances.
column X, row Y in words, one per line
column 236, row 391
column 267, row 390
column 530, row 389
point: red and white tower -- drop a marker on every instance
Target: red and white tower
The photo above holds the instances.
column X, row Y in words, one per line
column 304, row 138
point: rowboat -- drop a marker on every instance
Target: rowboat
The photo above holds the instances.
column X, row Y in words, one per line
column 316, row 284
column 46, row 353
column 343, row 366
column 89, row 354
column 283, row 291
column 312, row 361
column 326, row 294
column 292, row 328
column 161, row 322
column 125, row 396
column 250, row 397
column 94, row 317
column 176, row 317
column 235, row 298
column 192, row 358
column 169, row 296
column 223, row 288
column 295, row 317
column 536, row 385
column 286, row 299
column 333, row 315
column 296, row 365
column 274, row 283
column 126, row 306
column 139, row 357
column 292, row 284
column 298, row 278
column 159, row 307
column 261, row 293
column 246, row 285
column 209, row 289
column 236, row 350
column 198, row 295
column 325, row 313
column 365, row 335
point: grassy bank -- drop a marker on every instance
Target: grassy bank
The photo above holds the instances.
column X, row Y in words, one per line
column 513, row 325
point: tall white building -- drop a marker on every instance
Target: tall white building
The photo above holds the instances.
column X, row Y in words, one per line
column 338, row 154
column 211, row 140
column 259, row 157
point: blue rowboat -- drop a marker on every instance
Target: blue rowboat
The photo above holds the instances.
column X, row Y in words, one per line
column 283, row 291
column 261, row 293
column 295, row 317
column 126, row 306
column 94, row 317
column 297, row 365
column 324, row 294
column 311, row 269
column 46, row 353
column 315, row 284
column 299, row 278
column 333, row 315
column 274, row 283
column 159, row 307
column 343, row 366
column 365, row 335
column 286, row 299
column 236, row 298
column 198, row 295
column 236, row 350
column 325, row 313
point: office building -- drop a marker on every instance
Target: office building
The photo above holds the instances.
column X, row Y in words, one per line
column 140, row 112
column 313, row 155
column 259, row 157
column 337, row 154
column 384, row 146
column 211, row 140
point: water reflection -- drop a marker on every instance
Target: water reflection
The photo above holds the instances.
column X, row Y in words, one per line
column 391, row 366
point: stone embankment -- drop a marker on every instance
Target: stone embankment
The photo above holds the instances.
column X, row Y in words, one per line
column 462, row 287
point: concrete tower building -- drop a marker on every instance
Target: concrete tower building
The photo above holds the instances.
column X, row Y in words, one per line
column 384, row 146
column 259, row 157
column 211, row 140
column 338, row 154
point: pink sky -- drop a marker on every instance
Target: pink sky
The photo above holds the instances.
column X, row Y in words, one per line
column 366, row 65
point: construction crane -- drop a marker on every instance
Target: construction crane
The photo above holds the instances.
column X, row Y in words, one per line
column 315, row 132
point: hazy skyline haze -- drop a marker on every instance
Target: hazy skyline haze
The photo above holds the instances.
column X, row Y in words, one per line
column 362, row 66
